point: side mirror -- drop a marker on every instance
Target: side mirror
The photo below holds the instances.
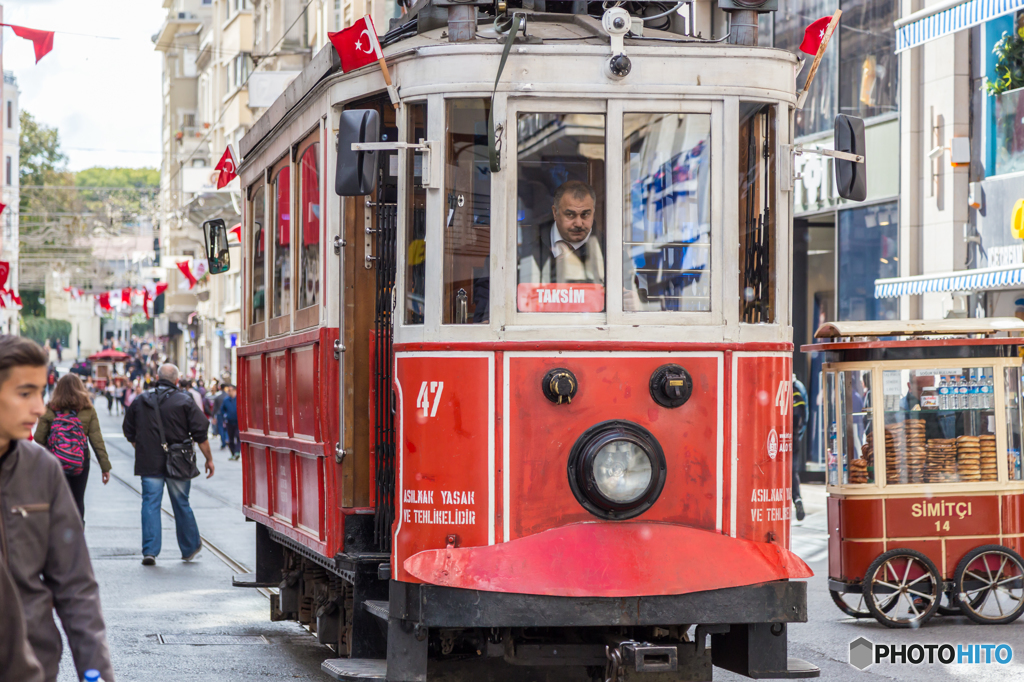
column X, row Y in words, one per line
column 356, row 172
column 851, row 176
column 215, row 234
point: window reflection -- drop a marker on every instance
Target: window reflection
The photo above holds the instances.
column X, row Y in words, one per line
column 869, row 71
column 309, row 206
column 282, row 285
column 416, row 219
column 868, row 250
column 667, row 221
column 757, row 214
column 560, row 225
column 258, row 288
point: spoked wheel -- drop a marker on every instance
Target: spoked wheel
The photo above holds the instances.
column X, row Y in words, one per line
column 850, row 603
column 902, row 589
column 990, row 585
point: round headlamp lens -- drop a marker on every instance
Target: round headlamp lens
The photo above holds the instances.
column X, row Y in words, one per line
column 622, row 471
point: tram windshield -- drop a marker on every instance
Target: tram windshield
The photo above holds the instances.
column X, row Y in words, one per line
column 666, row 175
column 560, row 213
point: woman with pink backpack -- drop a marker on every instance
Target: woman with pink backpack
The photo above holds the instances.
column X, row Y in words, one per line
column 67, row 428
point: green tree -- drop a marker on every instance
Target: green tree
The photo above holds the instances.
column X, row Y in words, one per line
column 41, row 157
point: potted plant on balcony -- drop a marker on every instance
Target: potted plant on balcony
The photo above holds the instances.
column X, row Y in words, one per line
column 1008, row 89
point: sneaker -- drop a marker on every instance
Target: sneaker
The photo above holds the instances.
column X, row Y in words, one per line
column 800, row 514
column 149, row 560
column 235, row 457
column 194, row 555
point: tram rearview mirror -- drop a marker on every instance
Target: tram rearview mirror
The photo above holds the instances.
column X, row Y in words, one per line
column 851, row 176
column 356, row 173
column 215, row 234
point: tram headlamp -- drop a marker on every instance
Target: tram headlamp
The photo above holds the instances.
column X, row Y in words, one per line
column 616, row 469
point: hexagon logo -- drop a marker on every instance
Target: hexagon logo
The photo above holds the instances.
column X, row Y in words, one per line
column 862, row 653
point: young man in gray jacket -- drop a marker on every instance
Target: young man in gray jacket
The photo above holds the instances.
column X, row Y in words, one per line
column 41, row 536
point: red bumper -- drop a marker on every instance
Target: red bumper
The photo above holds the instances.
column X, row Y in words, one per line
column 617, row 559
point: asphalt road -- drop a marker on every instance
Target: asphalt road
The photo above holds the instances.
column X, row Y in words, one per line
column 179, row 621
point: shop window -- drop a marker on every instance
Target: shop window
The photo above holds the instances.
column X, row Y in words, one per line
column 281, row 217
column 1013, row 394
column 666, row 175
column 309, row 228
column 869, row 68
column 416, row 219
column 868, row 250
column 791, row 20
column 857, row 455
column 467, row 227
column 258, row 288
column 1005, row 138
column 560, row 213
column 757, row 213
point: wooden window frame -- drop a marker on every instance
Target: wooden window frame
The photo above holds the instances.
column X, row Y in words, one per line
column 310, row 315
column 257, row 331
column 281, row 324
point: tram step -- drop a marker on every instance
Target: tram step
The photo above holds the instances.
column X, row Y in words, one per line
column 799, row 669
column 249, row 580
column 353, row 669
column 381, row 609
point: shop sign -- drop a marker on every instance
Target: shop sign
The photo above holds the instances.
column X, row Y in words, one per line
column 1000, row 256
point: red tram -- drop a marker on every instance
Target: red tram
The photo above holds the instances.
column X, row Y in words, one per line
column 526, row 414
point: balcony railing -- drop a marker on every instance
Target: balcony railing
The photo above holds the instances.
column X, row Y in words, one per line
column 1010, row 131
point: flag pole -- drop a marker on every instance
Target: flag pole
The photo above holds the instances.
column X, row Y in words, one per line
column 817, row 58
column 392, row 93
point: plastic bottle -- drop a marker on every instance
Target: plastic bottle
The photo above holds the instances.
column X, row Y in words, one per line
column 973, row 395
column 93, row 675
column 944, row 394
column 988, row 389
column 963, row 394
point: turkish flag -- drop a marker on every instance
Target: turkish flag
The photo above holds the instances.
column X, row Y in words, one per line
column 814, row 35
column 357, row 45
column 237, row 231
column 2, row 207
column 104, row 300
column 228, row 168
column 126, row 296
column 160, row 288
column 42, row 41
column 5, row 270
column 187, row 271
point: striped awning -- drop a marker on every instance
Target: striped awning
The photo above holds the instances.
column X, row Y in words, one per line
column 951, row 20
column 1009, row 277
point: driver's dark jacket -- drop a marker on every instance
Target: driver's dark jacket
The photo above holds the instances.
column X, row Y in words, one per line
column 182, row 420
column 43, row 545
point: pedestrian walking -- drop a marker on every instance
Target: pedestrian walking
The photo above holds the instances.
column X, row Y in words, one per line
column 218, row 400
column 163, row 426
column 60, row 350
column 799, row 428
column 228, row 415
column 68, row 427
column 43, row 543
column 119, row 395
column 108, row 393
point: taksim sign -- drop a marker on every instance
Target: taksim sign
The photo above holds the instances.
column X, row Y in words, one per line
column 203, row 180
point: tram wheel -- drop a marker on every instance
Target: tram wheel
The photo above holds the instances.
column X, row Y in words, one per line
column 903, row 588
column 990, row 585
column 853, row 604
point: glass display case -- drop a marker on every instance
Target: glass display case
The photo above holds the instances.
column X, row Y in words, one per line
column 917, row 422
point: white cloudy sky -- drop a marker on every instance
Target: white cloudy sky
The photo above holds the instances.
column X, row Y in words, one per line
column 102, row 95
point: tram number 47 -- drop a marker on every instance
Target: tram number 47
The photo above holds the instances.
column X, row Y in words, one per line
column 428, row 389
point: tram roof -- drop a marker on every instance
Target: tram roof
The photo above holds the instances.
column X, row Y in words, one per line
column 409, row 37
column 950, row 327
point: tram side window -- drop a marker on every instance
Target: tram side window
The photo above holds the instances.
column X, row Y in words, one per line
column 757, row 213
column 560, row 213
column 666, row 175
column 258, row 288
column 281, row 216
column 309, row 219
column 467, row 227
column 415, row 219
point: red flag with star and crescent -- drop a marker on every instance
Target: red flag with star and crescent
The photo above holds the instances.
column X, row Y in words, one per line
column 228, row 168
column 814, row 34
column 357, row 45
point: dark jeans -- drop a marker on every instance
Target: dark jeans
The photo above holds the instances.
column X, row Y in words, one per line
column 231, row 430
column 798, row 459
column 184, row 520
column 77, row 485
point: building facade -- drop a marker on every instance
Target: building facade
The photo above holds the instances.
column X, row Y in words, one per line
column 9, row 235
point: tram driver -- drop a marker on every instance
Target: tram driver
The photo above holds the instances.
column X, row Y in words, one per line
column 565, row 250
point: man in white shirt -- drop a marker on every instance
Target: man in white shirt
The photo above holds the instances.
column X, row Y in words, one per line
column 568, row 251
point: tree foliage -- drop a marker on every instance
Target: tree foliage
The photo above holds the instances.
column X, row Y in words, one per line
column 39, row 329
column 41, row 156
column 1009, row 66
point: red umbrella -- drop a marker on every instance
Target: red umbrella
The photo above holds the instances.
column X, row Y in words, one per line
column 109, row 355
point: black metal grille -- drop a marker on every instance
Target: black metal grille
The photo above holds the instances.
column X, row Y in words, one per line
column 384, row 427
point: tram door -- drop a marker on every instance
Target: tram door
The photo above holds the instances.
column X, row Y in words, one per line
column 371, row 226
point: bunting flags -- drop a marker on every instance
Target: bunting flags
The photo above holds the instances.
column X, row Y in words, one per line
column 42, row 41
column 7, row 295
column 104, row 301
column 227, row 166
column 237, row 231
column 187, row 271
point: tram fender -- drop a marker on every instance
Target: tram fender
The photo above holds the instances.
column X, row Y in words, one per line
column 610, row 559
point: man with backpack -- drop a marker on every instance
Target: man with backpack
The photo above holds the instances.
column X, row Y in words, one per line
column 43, row 545
column 163, row 426
column 67, row 428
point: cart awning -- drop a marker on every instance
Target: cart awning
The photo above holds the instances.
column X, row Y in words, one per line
column 983, row 279
column 949, row 17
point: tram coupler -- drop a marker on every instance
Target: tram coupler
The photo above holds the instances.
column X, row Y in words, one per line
column 632, row 660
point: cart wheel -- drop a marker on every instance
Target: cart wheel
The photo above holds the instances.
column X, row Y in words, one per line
column 990, row 585
column 851, row 604
column 903, row 588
